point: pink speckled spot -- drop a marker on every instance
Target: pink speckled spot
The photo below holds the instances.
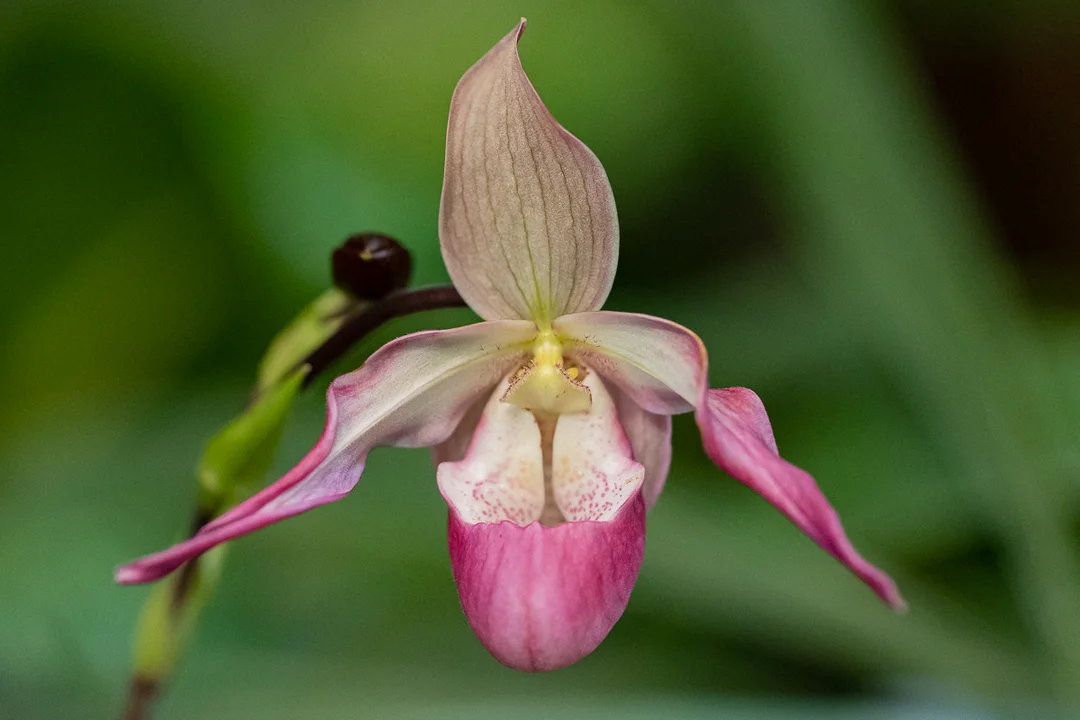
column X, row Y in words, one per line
column 593, row 467
column 502, row 477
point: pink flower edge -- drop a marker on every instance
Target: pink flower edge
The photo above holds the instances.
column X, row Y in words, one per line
column 738, row 437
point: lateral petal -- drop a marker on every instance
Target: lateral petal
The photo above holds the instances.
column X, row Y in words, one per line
column 661, row 365
column 738, row 437
column 527, row 222
column 412, row 392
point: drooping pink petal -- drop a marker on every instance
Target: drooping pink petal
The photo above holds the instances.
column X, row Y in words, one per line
column 410, row 393
column 650, row 439
column 661, row 365
column 738, row 437
column 541, row 597
column 662, row 368
column 527, row 222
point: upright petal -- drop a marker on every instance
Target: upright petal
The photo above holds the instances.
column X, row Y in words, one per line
column 661, row 365
column 410, row 393
column 527, row 222
column 739, row 438
column 541, row 597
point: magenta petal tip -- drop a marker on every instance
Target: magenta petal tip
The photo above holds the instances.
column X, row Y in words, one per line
column 127, row 575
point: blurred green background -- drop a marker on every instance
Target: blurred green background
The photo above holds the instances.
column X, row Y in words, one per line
column 870, row 212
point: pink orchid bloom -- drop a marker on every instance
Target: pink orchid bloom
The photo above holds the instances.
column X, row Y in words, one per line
column 551, row 419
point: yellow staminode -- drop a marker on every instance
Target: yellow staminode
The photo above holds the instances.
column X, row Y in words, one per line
column 545, row 385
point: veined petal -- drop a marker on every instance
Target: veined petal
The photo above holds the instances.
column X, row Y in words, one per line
column 738, row 437
column 412, row 392
column 661, row 365
column 541, row 597
column 527, row 222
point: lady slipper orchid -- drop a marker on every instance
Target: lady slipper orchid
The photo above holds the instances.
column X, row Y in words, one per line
column 551, row 419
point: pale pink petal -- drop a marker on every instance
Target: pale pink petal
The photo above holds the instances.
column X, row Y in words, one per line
column 454, row 447
column 738, row 437
column 541, row 597
column 410, row 393
column 527, row 222
column 650, row 439
column 661, row 365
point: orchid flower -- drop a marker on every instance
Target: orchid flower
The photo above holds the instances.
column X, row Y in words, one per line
column 551, row 419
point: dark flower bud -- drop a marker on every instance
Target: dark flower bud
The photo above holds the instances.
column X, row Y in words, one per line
column 371, row 265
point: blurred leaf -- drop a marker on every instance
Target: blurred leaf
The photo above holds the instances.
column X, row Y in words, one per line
column 587, row 704
column 237, row 459
column 131, row 313
column 892, row 238
column 733, row 570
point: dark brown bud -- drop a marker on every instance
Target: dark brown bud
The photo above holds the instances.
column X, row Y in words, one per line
column 371, row 265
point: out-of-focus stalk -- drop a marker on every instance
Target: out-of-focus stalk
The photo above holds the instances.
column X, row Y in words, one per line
column 371, row 272
column 234, row 463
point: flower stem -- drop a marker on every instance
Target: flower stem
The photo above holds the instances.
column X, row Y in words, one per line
column 140, row 698
column 397, row 304
column 188, row 588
